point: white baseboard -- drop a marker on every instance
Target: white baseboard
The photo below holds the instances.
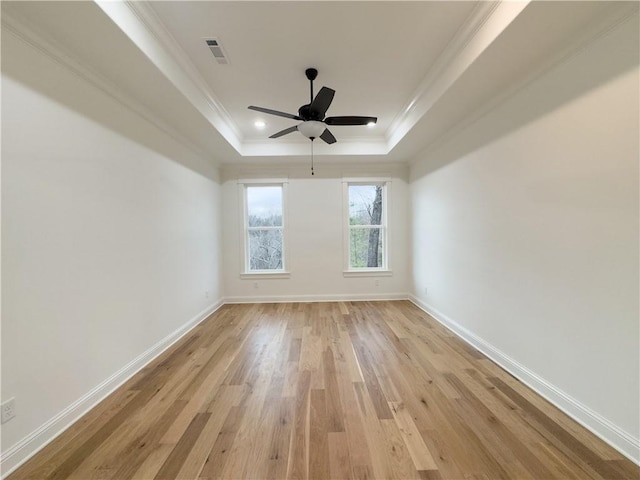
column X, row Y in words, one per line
column 317, row 298
column 622, row 441
column 39, row 438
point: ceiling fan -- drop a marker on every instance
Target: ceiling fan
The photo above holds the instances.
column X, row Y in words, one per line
column 314, row 123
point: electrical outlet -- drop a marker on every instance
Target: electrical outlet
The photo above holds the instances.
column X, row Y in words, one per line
column 425, row 290
column 8, row 410
column 377, row 283
column 255, row 284
column 206, row 294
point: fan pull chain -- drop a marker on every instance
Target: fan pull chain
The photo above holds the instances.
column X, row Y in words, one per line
column 312, row 157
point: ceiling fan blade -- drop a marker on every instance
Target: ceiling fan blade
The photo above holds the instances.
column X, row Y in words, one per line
column 321, row 103
column 350, row 120
column 275, row 112
column 284, row 132
column 328, row 137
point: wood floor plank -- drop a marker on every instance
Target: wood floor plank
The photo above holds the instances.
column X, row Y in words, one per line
column 318, row 436
column 152, row 464
column 280, row 441
column 298, row 467
column 401, row 465
column 94, row 441
column 173, row 463
column 335, row 417
column 226, row 398
column 215, row 462
column 565, row 441
column 339, row 460
column 525, row 464
column 362, row 390
column 359, row 453
column 50, row 458
column 419, row 452
column 373, row 434
column 138, row 451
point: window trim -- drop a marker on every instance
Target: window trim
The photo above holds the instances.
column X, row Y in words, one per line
column 385, row 270
column 246, row 273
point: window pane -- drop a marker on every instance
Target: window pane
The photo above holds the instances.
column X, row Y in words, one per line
column 365, row 205
column 365, row 247
column 264, row 206
column 265, row 249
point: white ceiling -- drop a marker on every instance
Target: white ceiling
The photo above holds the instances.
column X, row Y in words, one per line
column 422, row 68
column 373, row 54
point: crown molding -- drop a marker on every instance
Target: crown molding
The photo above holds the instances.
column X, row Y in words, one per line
column 140, row 24
column 350, row 147
column 486, row 22
column 139, row 21
column 52, row 49
column 298, row 170
column 602, row 27
column 213, row 110
column 218, row 113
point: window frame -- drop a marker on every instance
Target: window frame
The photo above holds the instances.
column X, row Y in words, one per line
column 244, row 185
column 385, row 269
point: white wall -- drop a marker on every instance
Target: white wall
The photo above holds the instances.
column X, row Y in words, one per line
column 525, row 231
column 110, row 239
column 315, row 237
column 525, row 234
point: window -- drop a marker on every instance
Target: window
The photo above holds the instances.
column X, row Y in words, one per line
column 366, row 211
column 264, row 233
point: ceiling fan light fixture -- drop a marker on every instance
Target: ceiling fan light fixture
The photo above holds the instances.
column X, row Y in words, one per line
column 312, row 128
column 259, row 124
column 371, row 124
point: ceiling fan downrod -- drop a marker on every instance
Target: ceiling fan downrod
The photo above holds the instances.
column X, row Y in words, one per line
column 311, row 74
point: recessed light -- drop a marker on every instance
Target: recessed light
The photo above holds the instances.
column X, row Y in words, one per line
column 259, row 124
column 371, row 124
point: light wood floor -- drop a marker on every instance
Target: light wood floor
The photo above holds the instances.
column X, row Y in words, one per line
column 325, row 390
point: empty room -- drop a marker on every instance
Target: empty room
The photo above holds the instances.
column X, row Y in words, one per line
column 320, row 240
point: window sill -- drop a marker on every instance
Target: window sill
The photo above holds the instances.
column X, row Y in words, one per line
column 367, row 273
column 254, row 275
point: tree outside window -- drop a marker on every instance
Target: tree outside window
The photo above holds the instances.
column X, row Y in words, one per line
column 264, row 228
column 367, row 226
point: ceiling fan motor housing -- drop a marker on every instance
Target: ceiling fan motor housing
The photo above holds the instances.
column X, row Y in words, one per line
column 307, row 113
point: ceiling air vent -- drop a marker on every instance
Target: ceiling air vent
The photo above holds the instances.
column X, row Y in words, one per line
column 216, row 49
